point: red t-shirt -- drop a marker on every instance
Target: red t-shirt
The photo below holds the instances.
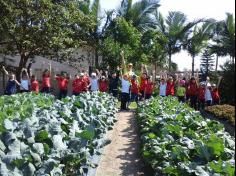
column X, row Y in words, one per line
column 187, row 89
column 150, row 88
column 103, row 86
column 215, row 94
column 46, row 82
column 201, row 94
column 193, row 89
column 87, row 80
column 34, row 86
column 134, row 87
column 62, row 82
column 170, row 89
column 79, row 85
column 143, row 84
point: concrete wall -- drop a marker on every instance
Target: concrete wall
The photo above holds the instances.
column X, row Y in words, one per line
column 82, row 59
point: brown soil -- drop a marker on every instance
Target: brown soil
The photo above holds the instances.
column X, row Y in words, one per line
column 121, row 156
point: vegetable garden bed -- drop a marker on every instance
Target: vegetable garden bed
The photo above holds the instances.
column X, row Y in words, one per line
column 177, row 140
column 44, row 136
column 223, row 112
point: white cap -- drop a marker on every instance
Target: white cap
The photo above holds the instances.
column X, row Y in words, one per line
column 214, row 85
column 94, row 74
column 81, row 74
column 208, row 84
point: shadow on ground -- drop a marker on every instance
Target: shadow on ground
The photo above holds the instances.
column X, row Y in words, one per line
column 132, row 165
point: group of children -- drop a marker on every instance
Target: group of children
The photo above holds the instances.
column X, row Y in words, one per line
column 191, row 90
column 133, row 88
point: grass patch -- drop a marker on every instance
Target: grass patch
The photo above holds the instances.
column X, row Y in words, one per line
column 133, row 106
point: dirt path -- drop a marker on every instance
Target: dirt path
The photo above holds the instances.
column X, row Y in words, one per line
column 121, row 157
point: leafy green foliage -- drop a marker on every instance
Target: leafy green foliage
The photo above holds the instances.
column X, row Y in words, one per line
column 227, row 85
column 126, row 37
column 59, row 138
column 179, row 141
column 22, row 106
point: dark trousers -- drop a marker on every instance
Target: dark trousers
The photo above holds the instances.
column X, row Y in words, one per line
column 142, row 95
column 124, row 101
column 62, row 94
column 24, row 91
column 193, row 101
column 148, row 96
column 209, row 103
column 216, row 102
column 181, row 99
column 114, row 93
column 134, row 97
column 45, row 90
column 76, row 94
column 201, row 105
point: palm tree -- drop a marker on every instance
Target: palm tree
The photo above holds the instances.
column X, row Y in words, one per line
column 224, row 39
column 139, row 12
column 197, row 41
column 228, row 36
column 175, row 28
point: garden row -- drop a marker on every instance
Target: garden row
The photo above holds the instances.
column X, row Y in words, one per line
column 43, row 136
column 176, row 140
column 224, row 112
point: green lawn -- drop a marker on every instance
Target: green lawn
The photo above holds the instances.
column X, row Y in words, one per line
column 133, row 105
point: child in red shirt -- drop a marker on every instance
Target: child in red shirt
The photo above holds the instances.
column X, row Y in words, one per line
column 34, row 87
column 134, row 89
column 143, row 84
column 103, row 84
column 201, row 96
column 46, row 82
column 170, row 89
column 193, row 92
column 79, row 85
column 215, row 92
column 149, row 88
column 63, row 81
column 215, row 95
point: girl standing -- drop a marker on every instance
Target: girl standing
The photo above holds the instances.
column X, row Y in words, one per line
column 208, row 95
column 134, row 89
column 193, row 92
column 34, row 85
column 11, row 84
column 181, row 91
column 170, row 88
column 103, row 84
column 46, row 80
column 63, row 81
column 149, row 88
column 25, row 81
column 215, row 92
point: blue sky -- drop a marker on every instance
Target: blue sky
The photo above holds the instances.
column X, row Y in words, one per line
column 194, row 9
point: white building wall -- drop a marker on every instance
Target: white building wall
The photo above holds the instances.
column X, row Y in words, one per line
column 83, row 58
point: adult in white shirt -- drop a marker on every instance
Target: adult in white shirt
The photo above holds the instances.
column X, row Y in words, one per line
column 25, row 81
column 208, row 95
column 125, row 94
column 163, row 86
column 94, row 82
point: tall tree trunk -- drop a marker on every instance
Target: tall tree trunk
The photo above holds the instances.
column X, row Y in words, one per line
column 217, row 62
column 96, row 58
column 193, row 65
column 23, row 61
column 4, row 75
column 170, row 61
column 155, row 71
